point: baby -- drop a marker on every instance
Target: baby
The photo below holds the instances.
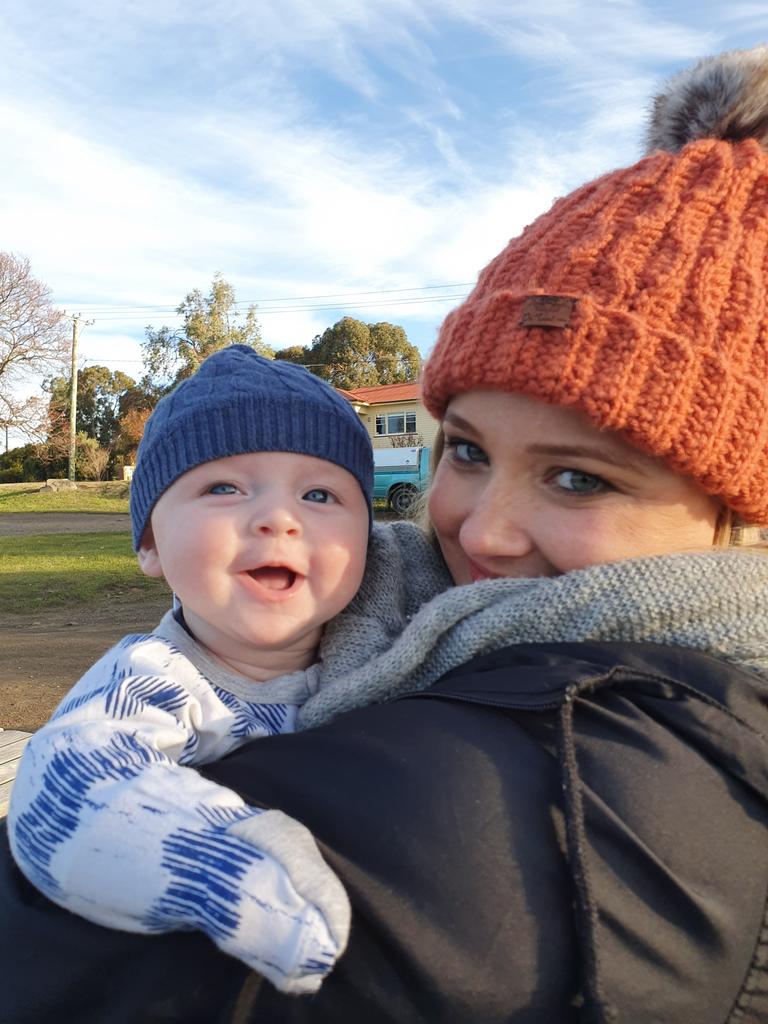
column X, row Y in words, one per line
column 251, row 496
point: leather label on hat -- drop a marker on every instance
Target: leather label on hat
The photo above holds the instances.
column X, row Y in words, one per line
column 547, row 311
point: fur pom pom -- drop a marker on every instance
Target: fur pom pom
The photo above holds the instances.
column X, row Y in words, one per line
column 722, row 97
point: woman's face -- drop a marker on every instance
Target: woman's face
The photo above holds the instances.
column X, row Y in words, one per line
column 528, row 489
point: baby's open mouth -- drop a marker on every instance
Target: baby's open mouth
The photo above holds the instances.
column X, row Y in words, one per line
column 274, row 577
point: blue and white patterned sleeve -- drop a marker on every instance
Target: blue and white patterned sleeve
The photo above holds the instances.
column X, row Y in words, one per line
column 108, row 820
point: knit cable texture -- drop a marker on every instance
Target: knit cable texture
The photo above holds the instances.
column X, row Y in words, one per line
column 667, row 340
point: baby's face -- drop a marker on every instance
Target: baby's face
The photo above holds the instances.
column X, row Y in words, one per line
column 261, row 549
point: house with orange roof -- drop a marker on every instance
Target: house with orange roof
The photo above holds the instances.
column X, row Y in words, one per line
column 393, row 415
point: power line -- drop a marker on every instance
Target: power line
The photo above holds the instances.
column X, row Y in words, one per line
column 135, row 362
column 160, row 308
column 416, row 300
column 109, row 359
column 104, row 308
column 263, row 311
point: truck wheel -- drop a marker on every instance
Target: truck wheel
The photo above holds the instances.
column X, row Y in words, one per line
column 402, row 500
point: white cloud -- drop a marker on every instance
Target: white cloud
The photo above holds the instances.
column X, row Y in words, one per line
column 306, row 148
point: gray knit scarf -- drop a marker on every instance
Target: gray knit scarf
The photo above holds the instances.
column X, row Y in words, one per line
column 407, row 626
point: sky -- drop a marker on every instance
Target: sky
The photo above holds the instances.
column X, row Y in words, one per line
column 327, row 157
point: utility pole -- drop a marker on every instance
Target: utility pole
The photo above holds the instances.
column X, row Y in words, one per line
column 73, row 399
column 73, row 395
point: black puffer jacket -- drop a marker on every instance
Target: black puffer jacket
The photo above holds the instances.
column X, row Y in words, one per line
column 550, row 834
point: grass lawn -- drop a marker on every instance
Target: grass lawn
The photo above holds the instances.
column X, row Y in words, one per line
column 109, row 496
column 57, row 569
column 103, row 497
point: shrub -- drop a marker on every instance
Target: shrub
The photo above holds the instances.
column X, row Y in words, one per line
column 21, row 464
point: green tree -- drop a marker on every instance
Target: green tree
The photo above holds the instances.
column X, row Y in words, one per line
column 100, row 394
column 294, row 354
column 211, row 322
column 21, row 464
column 397, row 360
column 136, row 399
column 352, row 354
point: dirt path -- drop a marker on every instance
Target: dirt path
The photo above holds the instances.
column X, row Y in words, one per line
column 41, row 656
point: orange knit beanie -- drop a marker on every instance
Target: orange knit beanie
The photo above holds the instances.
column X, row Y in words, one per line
column 640, row 299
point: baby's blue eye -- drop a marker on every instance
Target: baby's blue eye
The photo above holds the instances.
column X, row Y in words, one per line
column 222, row 489
column 578, row 482
column 319, row 495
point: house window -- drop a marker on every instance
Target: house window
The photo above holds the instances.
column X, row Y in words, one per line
column 396, row 423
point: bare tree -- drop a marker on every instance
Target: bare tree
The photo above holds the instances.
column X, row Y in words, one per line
column 28, row 416
column 33, row 338
column 92, row 458
column 406, row 440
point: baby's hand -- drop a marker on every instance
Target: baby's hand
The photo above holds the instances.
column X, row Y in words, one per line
column 264, row 894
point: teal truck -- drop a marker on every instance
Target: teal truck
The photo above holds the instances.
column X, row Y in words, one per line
column 399, row 476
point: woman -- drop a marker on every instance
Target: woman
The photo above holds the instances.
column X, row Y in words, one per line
column 563, row 816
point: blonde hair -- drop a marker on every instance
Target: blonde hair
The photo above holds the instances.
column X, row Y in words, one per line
column 421, row 513
column 730, row 532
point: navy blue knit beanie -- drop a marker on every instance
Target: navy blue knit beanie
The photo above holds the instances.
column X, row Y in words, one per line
column 239, row 402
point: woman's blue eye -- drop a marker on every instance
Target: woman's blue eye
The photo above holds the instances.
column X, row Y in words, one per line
column 577, row 482
column 465, row 451
column 222, row 489
column 318, row 494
